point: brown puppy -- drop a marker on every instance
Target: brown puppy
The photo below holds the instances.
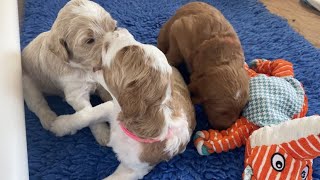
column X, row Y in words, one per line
column 199, row 35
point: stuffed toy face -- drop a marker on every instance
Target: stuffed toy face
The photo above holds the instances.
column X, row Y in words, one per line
column 283, row 151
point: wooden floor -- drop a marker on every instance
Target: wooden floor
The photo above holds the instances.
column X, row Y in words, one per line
column 304, row 20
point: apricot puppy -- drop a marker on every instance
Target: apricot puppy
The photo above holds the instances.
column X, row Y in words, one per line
column 200, row 36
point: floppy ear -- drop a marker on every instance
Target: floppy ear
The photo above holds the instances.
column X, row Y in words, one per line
column 137, row 86
column 193, row 88
column 196, row 100
column 59, row 47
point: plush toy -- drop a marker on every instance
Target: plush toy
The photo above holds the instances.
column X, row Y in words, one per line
column 275, row 96
column 283, row 151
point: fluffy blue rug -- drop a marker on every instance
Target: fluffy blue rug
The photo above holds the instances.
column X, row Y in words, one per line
column 263, row 35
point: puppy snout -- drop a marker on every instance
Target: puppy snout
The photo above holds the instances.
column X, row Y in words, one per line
column 98, row 66
column 122, row 31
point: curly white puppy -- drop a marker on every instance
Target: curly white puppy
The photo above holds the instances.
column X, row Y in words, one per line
column 151, row 116
column 61, row 61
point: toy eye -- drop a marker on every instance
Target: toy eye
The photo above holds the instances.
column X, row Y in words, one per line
column 305, row 172
column 278, row 162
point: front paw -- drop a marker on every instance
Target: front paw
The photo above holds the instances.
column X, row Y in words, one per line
column 62, row 126
column 101, row 133
column 47, row 119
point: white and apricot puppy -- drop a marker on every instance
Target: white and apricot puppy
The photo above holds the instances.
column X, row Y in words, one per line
column 61, row 61
column 151, row 116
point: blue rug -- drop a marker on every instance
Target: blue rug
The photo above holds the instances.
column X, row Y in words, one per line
column 263, row 35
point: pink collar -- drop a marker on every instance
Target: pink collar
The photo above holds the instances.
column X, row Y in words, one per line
column 136, row 138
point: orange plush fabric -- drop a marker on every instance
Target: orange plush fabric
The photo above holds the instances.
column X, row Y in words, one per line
column 277, row 68
column 218, row 141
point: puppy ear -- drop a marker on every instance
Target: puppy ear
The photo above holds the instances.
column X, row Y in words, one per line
column 196, row 100
column 193, row 88
column 59, row 47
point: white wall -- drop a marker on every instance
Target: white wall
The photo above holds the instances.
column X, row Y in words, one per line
column 13, row 149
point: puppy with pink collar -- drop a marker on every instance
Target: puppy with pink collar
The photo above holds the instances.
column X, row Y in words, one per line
column 151, row 116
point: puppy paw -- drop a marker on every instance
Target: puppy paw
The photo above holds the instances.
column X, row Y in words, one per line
column 101, row 133
column 47, row 119
column 62, row 126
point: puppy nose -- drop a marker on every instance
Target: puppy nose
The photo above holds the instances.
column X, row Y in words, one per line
column 122, row 29
column 97, row 68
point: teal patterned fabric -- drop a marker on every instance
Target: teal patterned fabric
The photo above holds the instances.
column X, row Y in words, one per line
column 247, row 173
column 273, row 100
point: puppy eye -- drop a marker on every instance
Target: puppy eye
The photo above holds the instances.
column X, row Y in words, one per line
column 90, row 41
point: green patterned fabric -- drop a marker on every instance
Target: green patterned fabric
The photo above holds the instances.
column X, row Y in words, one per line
column 273, row 100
